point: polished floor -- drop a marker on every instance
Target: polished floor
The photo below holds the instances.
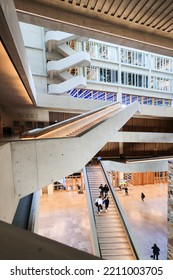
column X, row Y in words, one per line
column 148, row 218
column 64, row 217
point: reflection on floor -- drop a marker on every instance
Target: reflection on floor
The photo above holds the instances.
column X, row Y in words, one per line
column 148, row 218
column 64, row 217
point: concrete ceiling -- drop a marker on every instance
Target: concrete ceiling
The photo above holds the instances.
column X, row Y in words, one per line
column 12, row 90
column 16, row 84
column 146, row 24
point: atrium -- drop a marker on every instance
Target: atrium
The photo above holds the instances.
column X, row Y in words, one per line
column 84, row 86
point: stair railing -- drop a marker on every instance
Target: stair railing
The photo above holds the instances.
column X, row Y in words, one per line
column 95, row 242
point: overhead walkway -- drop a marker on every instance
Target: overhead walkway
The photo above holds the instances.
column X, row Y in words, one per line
column 113, row 238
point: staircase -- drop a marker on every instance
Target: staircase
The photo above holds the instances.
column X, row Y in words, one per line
column 56, row 42
column 112, row 238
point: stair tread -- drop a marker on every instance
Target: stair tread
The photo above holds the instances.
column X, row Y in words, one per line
column 126, row 251
column 111, row 234
column 112, row 238
column 123, row 257
column 112, row 246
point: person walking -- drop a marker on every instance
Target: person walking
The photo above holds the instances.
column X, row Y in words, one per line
column 156, row 251
column 98, row 204
column 101, row 189
column 126, row 191
column 106, row 203
column 105, row 190
column 142, row 196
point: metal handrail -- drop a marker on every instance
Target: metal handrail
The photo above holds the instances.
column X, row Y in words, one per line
column 42, row 131
column 96, row 245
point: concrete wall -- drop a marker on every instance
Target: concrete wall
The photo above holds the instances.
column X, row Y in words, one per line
column 33, row 37
column 23, row 114
column 8, row 199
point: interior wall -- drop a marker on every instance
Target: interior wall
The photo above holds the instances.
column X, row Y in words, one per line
column 60, row 116
column 111, row 149
column 149, row 125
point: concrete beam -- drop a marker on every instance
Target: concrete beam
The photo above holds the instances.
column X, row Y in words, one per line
column 142, row 137
column 67, row 103
column 155, row 111
column 145, row 166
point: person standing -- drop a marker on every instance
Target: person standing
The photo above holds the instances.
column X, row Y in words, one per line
column 99, row 203
column 156, row 251
column 142, row 196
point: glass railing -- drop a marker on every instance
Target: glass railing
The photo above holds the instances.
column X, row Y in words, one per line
column 93, row 94
column 112, row 97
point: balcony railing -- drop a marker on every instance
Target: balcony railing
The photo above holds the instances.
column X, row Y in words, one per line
column 112, row 97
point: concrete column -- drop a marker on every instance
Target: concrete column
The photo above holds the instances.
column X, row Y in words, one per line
column 121, row 177
column 82, row 182
column 119, row 95
column 120, row 148
column 50, row 189
column 170, row 210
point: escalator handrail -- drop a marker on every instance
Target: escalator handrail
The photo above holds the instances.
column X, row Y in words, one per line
column 96, row 245
column 42, row 131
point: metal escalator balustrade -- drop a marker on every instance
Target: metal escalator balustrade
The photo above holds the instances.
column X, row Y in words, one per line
column 75, row 125
column 90, row 124
column 112, row 237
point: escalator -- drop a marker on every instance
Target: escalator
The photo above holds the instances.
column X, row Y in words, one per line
column 113, row 239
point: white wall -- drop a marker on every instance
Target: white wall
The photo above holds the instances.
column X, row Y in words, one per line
column 35, row 47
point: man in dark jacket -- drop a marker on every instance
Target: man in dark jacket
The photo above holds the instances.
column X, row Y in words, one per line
column 156, row 251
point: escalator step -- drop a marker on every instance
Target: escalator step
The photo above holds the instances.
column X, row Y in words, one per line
column 119, row 245
column 126, row 257
column 112, row 240
column 111, row 234
column 110, row 231
column 116, row 252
